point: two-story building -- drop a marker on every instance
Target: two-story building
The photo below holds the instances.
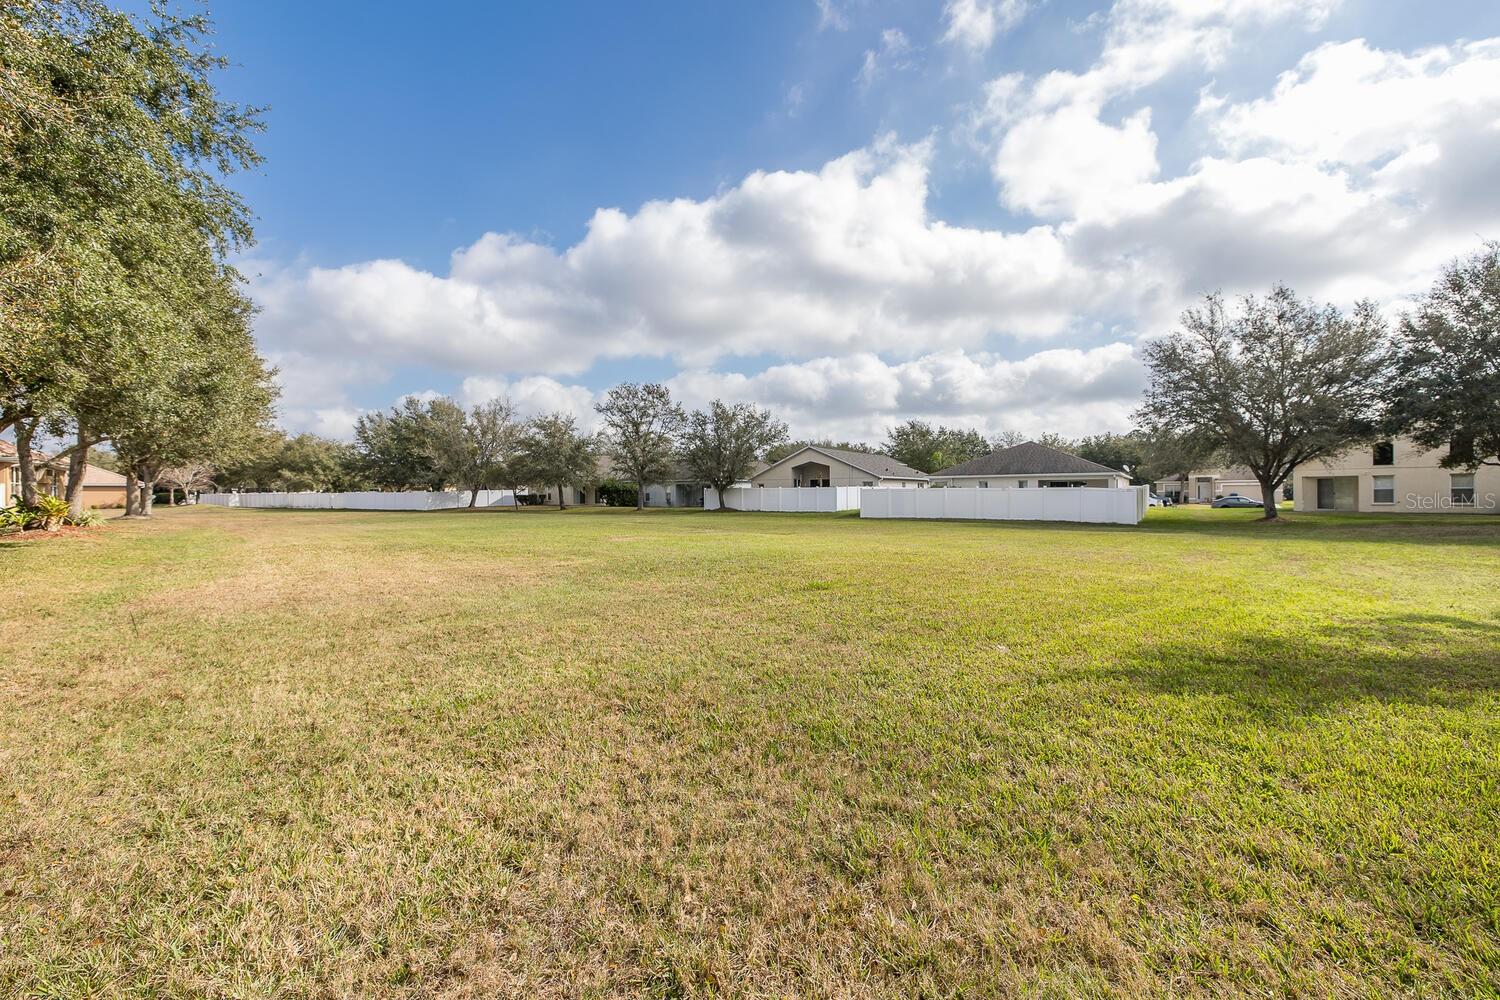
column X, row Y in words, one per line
column 1396, row 475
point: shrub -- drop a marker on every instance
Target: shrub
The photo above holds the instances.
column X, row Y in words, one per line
column 17, row 516
column 47, row 513
column 616, row 493
column 90, row 518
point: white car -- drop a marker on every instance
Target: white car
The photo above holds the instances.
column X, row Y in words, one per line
column 1152, row 500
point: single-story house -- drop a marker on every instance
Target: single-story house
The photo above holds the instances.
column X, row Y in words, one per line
column 102, row 488
column 1028, row 466
column 1397, row 475
column 50, row 477
column 815, row 465
column 1207, row 485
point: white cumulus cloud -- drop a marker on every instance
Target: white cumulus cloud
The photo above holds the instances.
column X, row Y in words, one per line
column 975, row 24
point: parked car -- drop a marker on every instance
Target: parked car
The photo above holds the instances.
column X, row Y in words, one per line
column 1152, row 500
column 1235, row 500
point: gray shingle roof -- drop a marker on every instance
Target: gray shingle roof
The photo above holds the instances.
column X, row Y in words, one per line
column 1028, row 459
column 883, row 466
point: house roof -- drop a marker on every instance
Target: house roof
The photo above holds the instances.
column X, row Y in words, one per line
column 93, row 475
column 10, row 456
column 881, row 466
column 1029, row 459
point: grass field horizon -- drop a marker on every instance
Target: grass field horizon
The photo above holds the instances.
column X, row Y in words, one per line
column 605, row 753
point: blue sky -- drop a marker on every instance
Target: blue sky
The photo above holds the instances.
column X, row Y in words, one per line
column 854, row 212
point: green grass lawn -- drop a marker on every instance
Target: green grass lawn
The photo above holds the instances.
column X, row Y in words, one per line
column 600, row 753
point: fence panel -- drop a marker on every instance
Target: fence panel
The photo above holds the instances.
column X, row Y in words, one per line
column 361, row 500
column 1090, row 505
column 804, row 499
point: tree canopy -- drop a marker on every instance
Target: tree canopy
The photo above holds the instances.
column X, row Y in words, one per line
column 556, row 453
column 1126, row 452
column 115, row 220
column 1446, row 379
column 469, row 448
column 927, row 448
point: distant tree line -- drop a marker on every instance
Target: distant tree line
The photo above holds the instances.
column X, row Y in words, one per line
column 435, row 444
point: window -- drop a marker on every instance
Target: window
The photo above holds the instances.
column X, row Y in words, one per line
column 1461, row 489
column 1385, row 489
column 984, row 484
column 1023, row 484
column 796, row 480
column 868, row 482
column 1385, row 454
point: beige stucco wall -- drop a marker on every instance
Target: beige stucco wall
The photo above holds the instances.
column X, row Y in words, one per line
column 839, row 474
column 103, row 496
column 1421, row 484
column 1014, row 482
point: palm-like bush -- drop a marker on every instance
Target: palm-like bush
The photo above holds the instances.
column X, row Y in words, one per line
column 51, row 510
column 17, row 516
column 47, row 513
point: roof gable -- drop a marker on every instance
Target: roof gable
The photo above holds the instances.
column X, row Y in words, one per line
column 1029, row 459
column 881, row 466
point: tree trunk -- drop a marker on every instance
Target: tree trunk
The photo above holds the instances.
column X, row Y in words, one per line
column 640, row 497
column 149, row 476
column 78, row 467
column 474, row 497
column 1268, row 499
column 24, row 431
column 130, row 492
column 560, row 504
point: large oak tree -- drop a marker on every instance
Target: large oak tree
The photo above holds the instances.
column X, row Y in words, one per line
column 641, row 425
column 721, row 444
column 1272, row 384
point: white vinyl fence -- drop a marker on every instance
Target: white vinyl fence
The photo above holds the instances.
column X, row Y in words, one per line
column 785, row 498
column 1089, row 504
column 363, row 500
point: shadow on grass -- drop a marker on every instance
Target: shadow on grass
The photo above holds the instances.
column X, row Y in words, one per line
column 1416, row 659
